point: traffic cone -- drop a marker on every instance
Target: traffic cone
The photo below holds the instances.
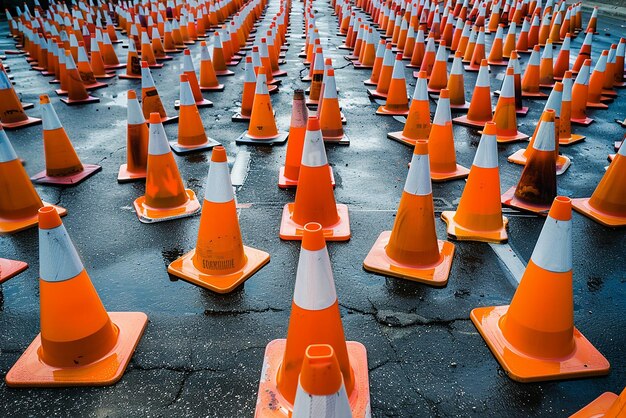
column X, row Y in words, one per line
column 289, row 173
column 384, row 78
column 479, row 214
column 80, row 344
column 509, row 41
column 537, row 186
column 208, row 78
column 150, row 99
column 133, row 63
column 321, row 391
column 607, row 204
column 192, row 79
column 76, row 92
column 566, row 137
column 12, row 115
column 166, row 197
column 417, row 55
column 479, row 52
column 397, row 102
column 317, row 76
column 10, row 268
column 429, row 57
column 471, row 45
column 262, row 127
column 619, row 79
column 584, row 53
column 580, row 91
column 607, row 405
column 19, row 201
column 191, row 134
column 534, row 338
column 314, row 302
column 63, row 166
column 411, row 250
column 147, row 53
column 315, row 201
column 220, row 262
column 247, row 96
column 522, row 41
column 157, row 46
column 505, row 115
column 546, row 66
column 441, row 150
column 530, row 81
column 595, row 98
column 378, row 63
column 495, row 54
column 85, row 71
column 219, row 60
column 136, row 143
column 97, row 64
column 456, row 85
column 111, row 62
column 330, row 113
column 479, row 111
column 561, row 65
column 439, row 76
column 417, row 125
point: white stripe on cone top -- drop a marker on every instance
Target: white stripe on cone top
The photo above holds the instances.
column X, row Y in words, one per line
column 7, row 153
column 622, row 150
column 508, row 87
column 398, row 70
column 133, row 30
column 487, row 152
column 146, row 78
column 186, row 95
column 261, row 84
column 314, row 153
column 621, row 49
column 420, row 36
column 583, row 75
column 144, row 37
column 330, row 87
column 131, row 44
column 315, row 286
column 73, row 40
column 82, row 54
column 442, row 53
column 567, row 90
column 545, row 140
column 313, row 406
column 4, row 81
column 601, row 64
column 388, row 59
column 442, row 113
column 49, row 119
column 134, row 113
column 525, row 26
column 256, row 59
column 155, row 32
column 472, row 36
column 421, row 89
column 512, row 29
column 188, row 64
column 58, row 259
column 217, row 41
column 588, row 39
column 94, row 45
column 380, row 51
column 318, row 65
column 430, row 45
column 499, row 33
column 457, row 66
column 483, row 77
column 157, row 143
column 249, row 75
column 534, row 58
column 548, row 52
column 218, row 187
column 611, row 58
column 566, row 43
column 554, row 102
column 481, row 38
column 204, row 54
column 553, row 251
column 168, row 27
column 418, row 180
column 69, row 62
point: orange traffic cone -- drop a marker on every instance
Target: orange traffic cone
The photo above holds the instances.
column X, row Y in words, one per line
column 384, row 78
column 411, row 250
column 111, row 62
column 534, row 338
column 12, row 115
column 315, row 201
column 397, row 102
column 495, row 54
column 522, row 41
column 505, row 115
column 429, row 56
column 136, row 143
column 157, row 46
column 520, row 109
column 208, row 78
column 479, row 215
column 289, row 173
column 19, row 202
column 607, row 204
column 479, row 111
column 86, row 72
column 247, row 96
column 97, row 64
column 220, row 262
column 219, row 60
column 80, row 343
column 166, row 197
column 417, row 55
column 566, row 137
column 147, row 53
column 150, row 99
column 537, row 186
column 321, row 391
column 133, row 63
column 378, row 63
column 561, row 65
column 580, row 91
column 509, row 41
column 62, row 164
column 10, row 269
column 191, row 134
column 417, row 125
column 607, row 405
column 314, row 302
column 546, row 66
column 192, row 79
column 530, row 81
column 595, row 98
column 439, row 75
column 479, row 52
column 330, row 113
column 456, row 85
column 262, row 128
column 76, row 92
column 441, row 150
column 620, row 53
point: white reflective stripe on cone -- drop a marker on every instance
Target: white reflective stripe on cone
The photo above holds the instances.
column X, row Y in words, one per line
column 146, row 78
column 389, row 58
column 500, row 32
column 442, row 53
column 94, row 45
column 601, row 64
column 261, row 84
column 588, row 39
column 398, row 70
column 218, row 187
column 69, row 62
column 144, row 37
column 512, row 29
column 457, row 66
column 565, row 46
column 483, row 77
column 155, row 33
column 622, row 150
column 430, row 45
column 442, row 113
column 329, row 406
column 134, row 113
column 131, row 44
column 548, row 50
column 188, row 64
column 418, row 180
column 157, row 144
column 545, row 137
column 58, row 259
column 554, row 102
column 525, row 26
column 204, row 54
column 49, row 118
column 82, row 55
column 487, row 152
column 508, row 87
column 7, row 153
column 553, row 251
column 534, row 58
column 421, row 89
column 4, row 81
column 330, row 88
column 566, row 96
column 186, row 95
column 583, row 75
column 315, row 286
column 314, row 153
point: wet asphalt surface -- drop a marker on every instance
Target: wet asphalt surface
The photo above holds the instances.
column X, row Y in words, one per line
column 202, row 353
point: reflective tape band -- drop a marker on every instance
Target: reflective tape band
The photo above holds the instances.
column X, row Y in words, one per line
column 218, row 187
column 553, row 251
column 315, row 286
column 58, row 259
column 418, row 180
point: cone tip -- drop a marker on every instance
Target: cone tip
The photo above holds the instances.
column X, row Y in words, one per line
column 44, row 99
column 548, row 115
column 144, row 64
column 313, row 236
column 203, row 43
column 219, row 154
column 155, row 118
column 313, row 124
column 187, row 51
column 49, row 218
column 561, row 209
column 444, row 94
column 558, row 86
column 490, row 128
column 421, row 147
column 132, row 94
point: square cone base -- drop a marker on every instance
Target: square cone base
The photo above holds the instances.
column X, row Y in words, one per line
column 238, row 117
column 287, row 183
column 70, row 102
column 164, row 58
column 183, row 268
column 104, row 76
column 382, row 110
column 248, row 140
column 27, row 106
column 115, row 67
column 523, row 111
column 571, row 140
column 539, row 95
column 465, row 121
column 460, row 108
column 10, row 268
column 594, row 105
column 31, row 371
column 21, row 124
column 584, row 122
column 181, row 149
column 360, row 66
column 125, row 176
column 369, row 82
column 169, row 119
column 96, row 85
column 150, row 215
column 72, row 180
column 279, row 73
column 203, row 103
column 621, row 122
column 518, row 157
column 219, row 87
column 271, row 404
column 8, row 226
column 397, row 136
column 582, row 206
column 459, row 233
column 376, row 95
column 504, row 139
column 291, row 231
column 509, row 199
column 224, row 73
column 129, row 76
column 460, row 173
column 501, row 63
column 436, row 275
column 598, row 408
column 584, row 361
column 337, row 140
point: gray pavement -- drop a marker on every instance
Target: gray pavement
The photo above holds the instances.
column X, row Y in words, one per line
column 202, row 353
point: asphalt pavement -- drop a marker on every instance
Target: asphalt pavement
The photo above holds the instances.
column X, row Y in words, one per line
column 202, row 353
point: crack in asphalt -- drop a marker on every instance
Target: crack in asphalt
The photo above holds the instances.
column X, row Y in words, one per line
column 213, row 312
